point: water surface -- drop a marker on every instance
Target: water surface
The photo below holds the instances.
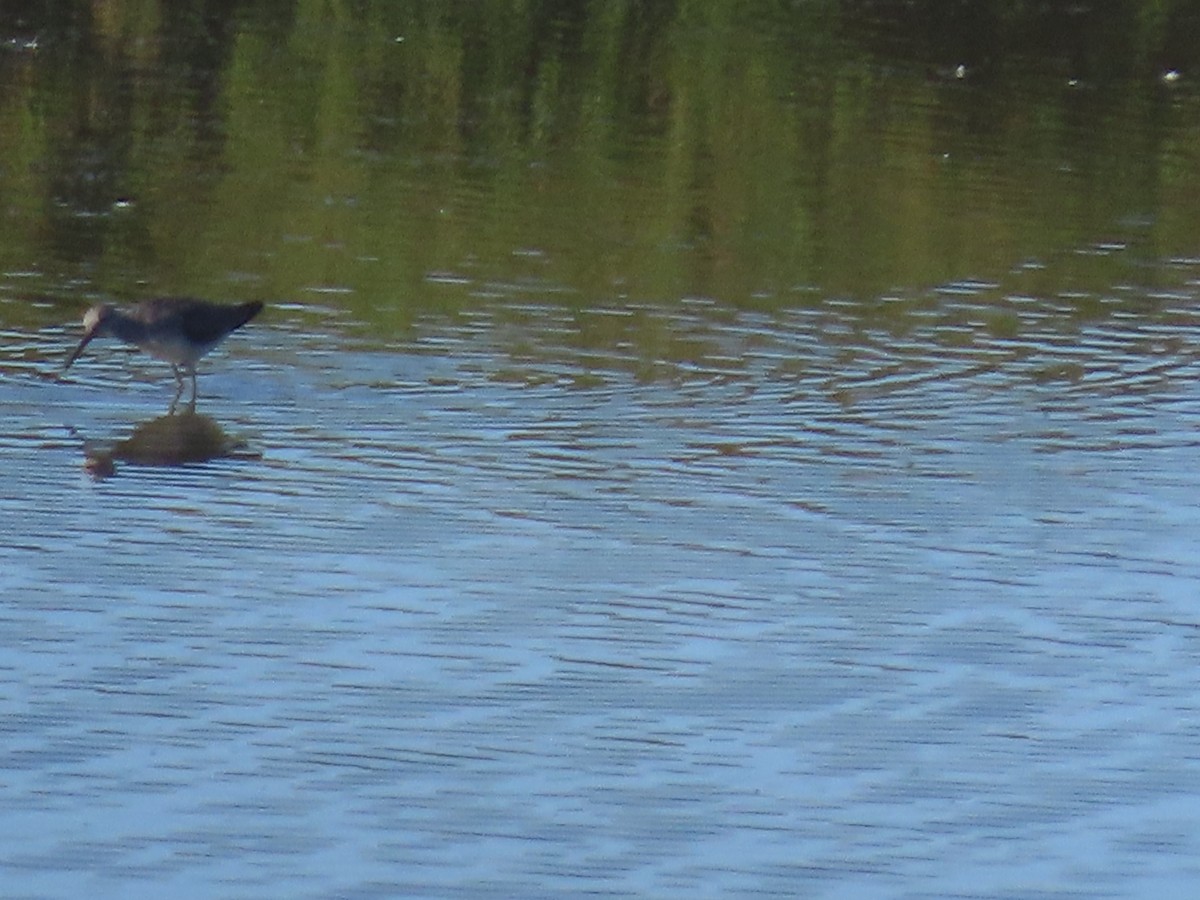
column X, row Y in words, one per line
column 700, row 456
column 753, row 632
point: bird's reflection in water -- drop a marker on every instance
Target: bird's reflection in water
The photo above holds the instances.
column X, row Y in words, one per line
column 171, row 440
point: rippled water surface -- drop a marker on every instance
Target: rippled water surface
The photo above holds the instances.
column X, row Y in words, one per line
column 690, row 451
column 824, row 610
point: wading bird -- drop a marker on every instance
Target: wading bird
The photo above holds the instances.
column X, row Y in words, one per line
column 178, row 330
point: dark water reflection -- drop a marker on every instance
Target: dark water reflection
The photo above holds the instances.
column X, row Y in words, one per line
column 288, row 151
column 176, row 439
column 752, row 628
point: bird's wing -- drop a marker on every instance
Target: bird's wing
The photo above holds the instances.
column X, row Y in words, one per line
column 206, row 323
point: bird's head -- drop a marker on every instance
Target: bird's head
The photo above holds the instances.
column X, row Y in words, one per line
column 94, row 321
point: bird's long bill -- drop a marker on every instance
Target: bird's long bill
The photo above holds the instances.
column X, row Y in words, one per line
column 87, row 339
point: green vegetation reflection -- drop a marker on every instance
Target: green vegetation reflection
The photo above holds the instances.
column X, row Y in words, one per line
column 400, row 158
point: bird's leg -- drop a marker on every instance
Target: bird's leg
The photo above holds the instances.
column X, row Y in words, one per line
column 192, row 408
column 178, row 389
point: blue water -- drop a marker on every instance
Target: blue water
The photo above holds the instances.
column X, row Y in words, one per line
column 821, row 611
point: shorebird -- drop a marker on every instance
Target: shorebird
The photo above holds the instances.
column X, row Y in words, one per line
column 178, row 330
